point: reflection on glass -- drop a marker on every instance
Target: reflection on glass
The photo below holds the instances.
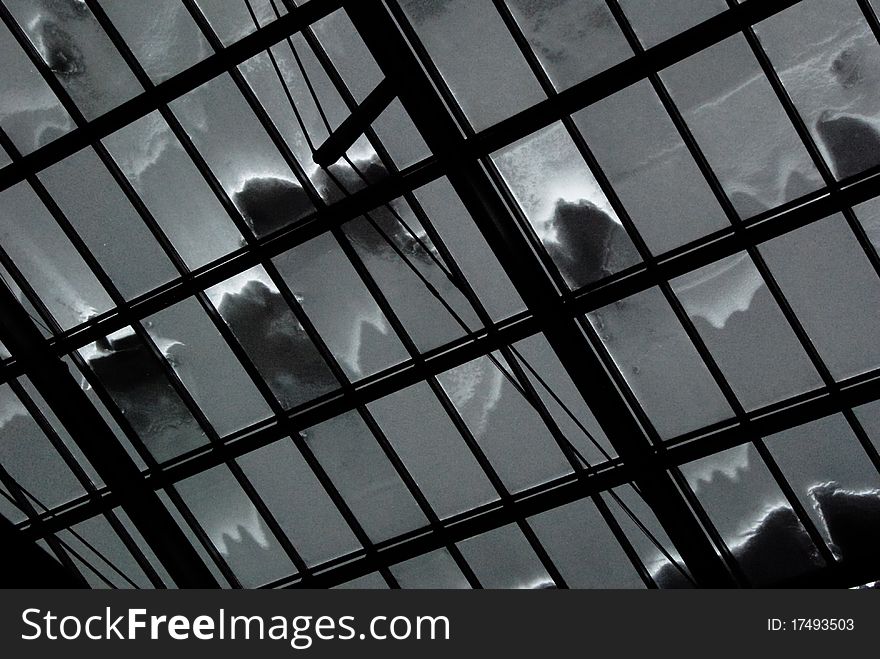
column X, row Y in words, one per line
column 583, row 549
column 231, row 21
column 563, row 202
column 206, row 365
column 837, row 484
column 538, row 355
column 835, row 292
column 30, row 113
column 78, row 52
column 477, row 57
column 29, row 457
column 138, row 385
column 752, row 515
column 362, row 473
column 432, row 450
column 100, row 535
column 741, row 126
column 828, row 58
column 161, row 34
column 510, row 432
column 298, row 502
column 171, row 188
column 47, row 259
column 502, row 558
column 235, row 527
column 652, row 172
column 266, row 328
column 337, row 302
column 657, row 20
column 108, row 224
column 467, row 245
column 436, row 569
column 573, row 39
column 745, row 331
column 241, row 155
column 659, row 363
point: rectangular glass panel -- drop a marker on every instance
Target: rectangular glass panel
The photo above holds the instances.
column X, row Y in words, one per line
column 573, row 39
column 78, row 51
column 47, row 258
column 349, row 53
column 752, row 515
column 235, row 527
column 108, row 224
column 741, row 126
column 477, row 57
column 651, row 169
column 502, row 558
column 233, row 20
column 371, row 487
column 745, row 331
column 173, row 190
column 298, row 502
column 30, row 113
column 161, row 34
column 337, row 302
column 266, row 328
column 399, row 136
column 830, row 284
column 507, row 428
column 826, row 56
column 436, row 569
column 433, row 451
column 565, row 205
column 117, row 559
column 657, row 20
column 208, row 368
column 869, row 417
column 659, row 363
column 869, row 216
column 583, row 549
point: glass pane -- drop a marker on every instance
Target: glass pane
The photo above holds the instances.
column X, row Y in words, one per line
column 142, row 544
column 651, row 169
column 502, row 558
column 450, row 218
column 426, row 319
column 506, row 427
column 477, row 57
column 752, row 515
column 538, row 355
column 173, row 190
column 235, row 527
column 741, row 126
column 349, row 53
column 657, row 20
column 432, row 450
column 241, row 155
column 836, row 482
column 208, row 368
column 9, row 507
column 298, row 502
column 399, row 136
column 30, row 113
column 583, row 549
column 659, row 363
column 47, row 258
column 372, row 581
column 352, row 457
column 161, row 34
column 565, row 205
column 340, row 306
column 108, row 224
column 745, row 331
column 869, row 417
column 232, row 20
column 434, row 570
column 138, row 385
column 117, row 559
column 79, row 53
column 835, row 292
column 29, row 457
column 562, row 31
column 826, row 56
column 265, row 326
column 869, row 215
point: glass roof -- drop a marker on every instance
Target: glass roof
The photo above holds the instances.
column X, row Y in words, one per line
column 588, row 300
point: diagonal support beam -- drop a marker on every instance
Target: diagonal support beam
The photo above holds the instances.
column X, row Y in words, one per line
column 489, row 212
column 97, row 442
